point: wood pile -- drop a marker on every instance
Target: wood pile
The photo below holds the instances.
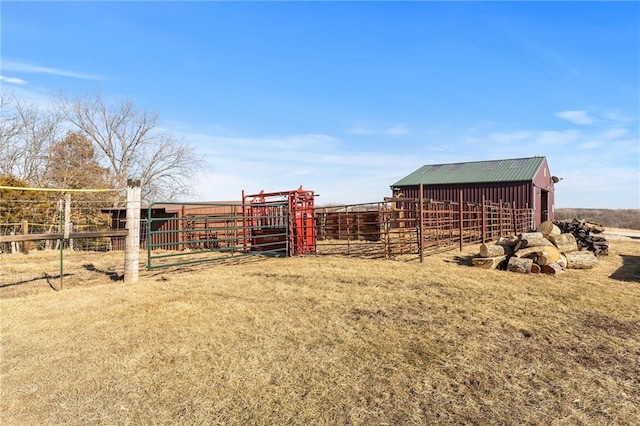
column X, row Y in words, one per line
column 548, row 251
column 584, row 234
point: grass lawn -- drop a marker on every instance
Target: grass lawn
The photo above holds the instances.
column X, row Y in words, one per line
column 319, row 340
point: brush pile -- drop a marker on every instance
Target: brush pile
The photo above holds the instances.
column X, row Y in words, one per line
column 549, row 250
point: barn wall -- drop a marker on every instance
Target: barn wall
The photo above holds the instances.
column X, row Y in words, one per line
column 508, row 192
column 543, row 184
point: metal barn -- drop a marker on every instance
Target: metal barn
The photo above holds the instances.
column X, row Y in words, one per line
column 520, row 182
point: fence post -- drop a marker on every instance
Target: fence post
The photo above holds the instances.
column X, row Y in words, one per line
column 501, row 218
column 421, row 223
column 461, row 224
column 483, row 222
column 132, row 245
column 25, row 231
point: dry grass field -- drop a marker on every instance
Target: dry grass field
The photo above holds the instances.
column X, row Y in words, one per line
column 319, row 340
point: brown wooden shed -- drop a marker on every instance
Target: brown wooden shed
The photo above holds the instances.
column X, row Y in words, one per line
column 523, row 182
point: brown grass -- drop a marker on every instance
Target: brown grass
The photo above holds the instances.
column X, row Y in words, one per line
column 322, row 340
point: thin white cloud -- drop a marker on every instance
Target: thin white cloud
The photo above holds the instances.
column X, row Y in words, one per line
column 359, row 130
column 24, row 67
column 397, row 130
column 598, row 164
column 393, row 131
column 509, row 137
column 12, row 80
column 318, row 162
column 614, row 133
column 325, row 164
column 576, row 117
column 555, row 137
column 590, row 145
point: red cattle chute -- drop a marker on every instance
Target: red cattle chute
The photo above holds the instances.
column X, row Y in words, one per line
column 265, row 224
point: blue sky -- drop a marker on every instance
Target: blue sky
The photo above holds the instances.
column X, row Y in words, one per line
column 347, row 98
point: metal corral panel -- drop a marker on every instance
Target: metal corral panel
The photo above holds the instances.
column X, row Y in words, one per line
column 177, row 217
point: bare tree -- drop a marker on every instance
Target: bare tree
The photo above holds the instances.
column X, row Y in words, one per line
column 26, row 133
column 131, row 144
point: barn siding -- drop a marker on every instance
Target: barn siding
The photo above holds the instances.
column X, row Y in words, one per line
column 518, row 192
column 525, row 194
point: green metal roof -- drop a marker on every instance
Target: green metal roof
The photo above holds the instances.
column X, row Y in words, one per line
column 511, row 170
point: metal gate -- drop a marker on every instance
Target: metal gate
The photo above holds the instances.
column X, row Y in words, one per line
column 300, row 204
column 181, row 234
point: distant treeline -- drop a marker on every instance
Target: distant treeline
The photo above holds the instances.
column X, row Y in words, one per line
column 613, row 218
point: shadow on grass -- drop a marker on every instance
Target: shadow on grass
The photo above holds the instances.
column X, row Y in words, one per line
column 463, row 260
column 200, row 265
column 630, row 269
column 114, row 276
column 44, row 276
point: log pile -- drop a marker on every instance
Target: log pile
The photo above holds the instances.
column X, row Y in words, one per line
column 548, row 251
column 585, row 234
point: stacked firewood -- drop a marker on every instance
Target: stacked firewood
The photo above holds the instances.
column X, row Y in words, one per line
column 547, row 251
column 584, row 233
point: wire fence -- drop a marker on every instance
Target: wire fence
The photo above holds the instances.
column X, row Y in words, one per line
column 29, row 218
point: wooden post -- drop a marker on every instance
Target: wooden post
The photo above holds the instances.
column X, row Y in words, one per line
column 25, row 231
column 513, row 217
column 132, row 246
column 461, row 225
column 14, row 245
column 421, row 223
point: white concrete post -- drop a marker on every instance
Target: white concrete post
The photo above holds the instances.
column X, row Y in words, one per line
column 132, row 244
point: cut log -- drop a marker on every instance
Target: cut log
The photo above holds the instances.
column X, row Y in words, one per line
column 507, row 241
column 549, row 255
column 562, row 261
column 535, row 268
column 529, row 252
column 595, row 228
column 552, row 269
column 564, row 242
column 548, row 228
column 522, row 266
column 533, row 242
column 581, row 259
column 494, row 250
column 488, row 262
column 530, row 235
column 540, row 255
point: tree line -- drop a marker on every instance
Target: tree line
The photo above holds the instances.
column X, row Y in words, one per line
column 84, row 142
column 613, row 218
